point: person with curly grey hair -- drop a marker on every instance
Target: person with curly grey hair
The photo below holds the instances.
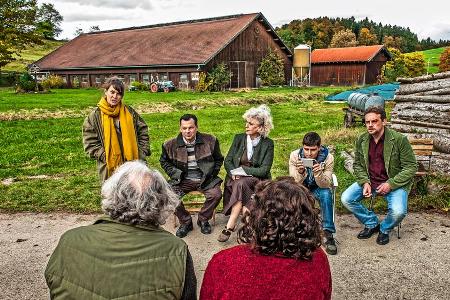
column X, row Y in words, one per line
column 248, row 161
column 125, row 254
column 280, row 257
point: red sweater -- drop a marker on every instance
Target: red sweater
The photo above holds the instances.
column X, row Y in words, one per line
column 239, row 273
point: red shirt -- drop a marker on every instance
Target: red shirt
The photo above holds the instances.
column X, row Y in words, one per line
column 377, row 170
column 240, row 273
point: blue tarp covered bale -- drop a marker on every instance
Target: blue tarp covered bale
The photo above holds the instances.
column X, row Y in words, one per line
column 387, row 91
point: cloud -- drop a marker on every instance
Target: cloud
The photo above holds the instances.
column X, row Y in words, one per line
column 92, row 16
column 128, row 4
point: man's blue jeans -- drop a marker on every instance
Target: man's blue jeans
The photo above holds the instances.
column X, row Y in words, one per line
column 323, row 195
column 397, row 207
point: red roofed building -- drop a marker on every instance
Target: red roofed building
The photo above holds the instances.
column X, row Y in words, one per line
column 348, row 66
column 174, row 51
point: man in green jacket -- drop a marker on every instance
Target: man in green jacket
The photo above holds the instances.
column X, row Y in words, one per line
column 126, row 254
column 385, row 164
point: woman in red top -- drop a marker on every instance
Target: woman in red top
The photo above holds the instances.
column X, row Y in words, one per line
column 281, row 257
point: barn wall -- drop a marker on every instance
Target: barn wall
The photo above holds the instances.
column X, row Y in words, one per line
column 245, row 54
column 374, row 68
column 338, row 74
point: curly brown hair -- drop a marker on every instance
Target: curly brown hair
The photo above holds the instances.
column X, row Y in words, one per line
column 283, row 221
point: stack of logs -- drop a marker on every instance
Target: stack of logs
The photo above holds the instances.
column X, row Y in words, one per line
column 422, row 110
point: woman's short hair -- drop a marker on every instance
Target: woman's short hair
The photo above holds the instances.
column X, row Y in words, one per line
column 137, row 195
column 283, row 220
column 116, row 83
column 263, row 116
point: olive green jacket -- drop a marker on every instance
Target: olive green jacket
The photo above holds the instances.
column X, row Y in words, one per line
column 93, row 139
column 399, row 159
column 262, row 157
column 111, row 260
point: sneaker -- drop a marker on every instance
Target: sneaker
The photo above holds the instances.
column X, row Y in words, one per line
column 225, row 235
column 368, row 232
column 184, row 229
column 205, row 228
column 330, row 243
column 383, row 238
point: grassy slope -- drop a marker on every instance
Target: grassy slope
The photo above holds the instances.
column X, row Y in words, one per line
column 31, row 55
column 54, row 147
column 432, row 56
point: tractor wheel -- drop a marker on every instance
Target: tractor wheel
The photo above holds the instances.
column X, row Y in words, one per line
column 154, row 88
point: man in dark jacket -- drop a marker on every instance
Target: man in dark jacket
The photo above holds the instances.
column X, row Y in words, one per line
column 385, row 164
column 126, row 254
column 193, row 160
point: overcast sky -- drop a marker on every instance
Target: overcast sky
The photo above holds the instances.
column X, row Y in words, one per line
column 429, row 18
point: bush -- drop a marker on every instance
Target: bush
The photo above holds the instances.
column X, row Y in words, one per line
column 203, row 83
column 219, row 77
column 271, row 69
column 140, row 86
column 403, row 65
column 444, row 60
column 53, row 82
column 26, row 83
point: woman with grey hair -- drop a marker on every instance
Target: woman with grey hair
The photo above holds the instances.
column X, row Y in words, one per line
column 125, row 254
column 248, row 161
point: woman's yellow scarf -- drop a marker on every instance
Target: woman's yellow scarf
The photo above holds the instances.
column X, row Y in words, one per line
column 111, row 142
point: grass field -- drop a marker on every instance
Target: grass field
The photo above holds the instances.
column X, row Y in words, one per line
column 43, row 137
column 32, row 54
column 432, row 59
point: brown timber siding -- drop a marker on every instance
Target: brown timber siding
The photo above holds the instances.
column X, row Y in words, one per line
column 338, row 74
column 247, row 51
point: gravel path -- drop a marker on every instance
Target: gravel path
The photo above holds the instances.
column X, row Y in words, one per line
column 414, row 267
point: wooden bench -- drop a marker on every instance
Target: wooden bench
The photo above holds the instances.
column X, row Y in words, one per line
column 194, row 206
column 423, row 149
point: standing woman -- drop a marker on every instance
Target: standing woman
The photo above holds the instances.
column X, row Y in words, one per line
column 253, row 151
column 113, row 132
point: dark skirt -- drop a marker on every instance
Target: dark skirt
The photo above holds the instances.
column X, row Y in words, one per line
column 241, row 189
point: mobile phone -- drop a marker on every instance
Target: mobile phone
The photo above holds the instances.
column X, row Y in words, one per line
column 308, row 162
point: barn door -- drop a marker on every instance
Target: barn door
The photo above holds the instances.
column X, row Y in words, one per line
column 238, row 72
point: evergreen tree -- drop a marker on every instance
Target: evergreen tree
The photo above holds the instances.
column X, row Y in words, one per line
column 271, row 69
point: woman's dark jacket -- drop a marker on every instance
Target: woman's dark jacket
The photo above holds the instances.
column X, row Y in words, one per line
column 262, row 158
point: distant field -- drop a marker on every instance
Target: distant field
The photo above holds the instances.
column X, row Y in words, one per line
column 32, row 54
column 432, row 59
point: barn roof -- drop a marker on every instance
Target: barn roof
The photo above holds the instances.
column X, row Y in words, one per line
column 190, row 42
column 348, row 54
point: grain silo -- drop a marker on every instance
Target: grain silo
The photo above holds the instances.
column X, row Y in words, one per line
column 302, row 65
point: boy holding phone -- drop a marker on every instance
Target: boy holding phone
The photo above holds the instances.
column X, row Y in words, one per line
column 312, row 165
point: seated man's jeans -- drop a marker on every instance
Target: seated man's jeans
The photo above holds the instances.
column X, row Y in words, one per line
column 397, row 207
column 325, row 198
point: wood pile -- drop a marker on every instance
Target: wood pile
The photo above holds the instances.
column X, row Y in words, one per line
column 422, row 111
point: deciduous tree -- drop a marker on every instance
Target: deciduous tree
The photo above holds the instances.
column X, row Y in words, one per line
column 49, row 21
column 367, row 38
column 343, row 38
column 17, row 28
column 444, row 60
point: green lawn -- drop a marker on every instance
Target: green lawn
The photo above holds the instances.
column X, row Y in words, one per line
column 52, row 146
column 432, row 59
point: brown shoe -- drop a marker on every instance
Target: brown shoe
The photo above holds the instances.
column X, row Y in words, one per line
column 225, row 235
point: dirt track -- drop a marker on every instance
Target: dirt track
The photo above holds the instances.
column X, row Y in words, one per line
column 414, row 267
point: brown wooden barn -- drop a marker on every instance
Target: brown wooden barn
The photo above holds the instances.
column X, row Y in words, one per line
column 348, row 66
column 175, row 51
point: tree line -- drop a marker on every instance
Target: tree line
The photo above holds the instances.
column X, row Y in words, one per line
column 325, row 32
